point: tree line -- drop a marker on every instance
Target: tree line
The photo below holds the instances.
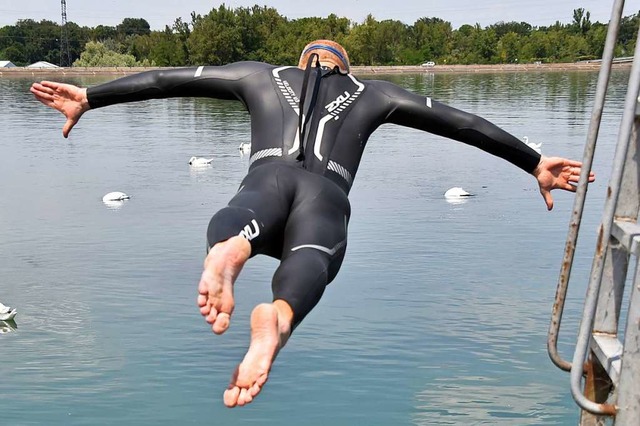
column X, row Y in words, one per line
column 260, row 33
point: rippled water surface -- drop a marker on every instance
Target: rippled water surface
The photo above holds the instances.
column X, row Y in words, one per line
column 438, row 317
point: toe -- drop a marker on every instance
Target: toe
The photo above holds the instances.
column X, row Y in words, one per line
column 211, row 317
column 202, row 300
column 221, row 323
column 244, row 397
column 254, row 390
column 231, row 396
column 202, row 285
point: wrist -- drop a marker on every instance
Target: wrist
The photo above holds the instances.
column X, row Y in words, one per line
column 538, row 168
column 84, row 101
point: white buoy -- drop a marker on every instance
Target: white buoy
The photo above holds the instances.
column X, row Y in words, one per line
column 457, row 192
column 245, row 147
column 115, row 196
column 199, row 161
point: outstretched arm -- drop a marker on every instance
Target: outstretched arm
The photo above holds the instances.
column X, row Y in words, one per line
column 70, row 100
column 221, row 82
column 422, row 113
column 558, row 173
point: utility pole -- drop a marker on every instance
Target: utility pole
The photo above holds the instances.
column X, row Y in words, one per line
column 65, row 54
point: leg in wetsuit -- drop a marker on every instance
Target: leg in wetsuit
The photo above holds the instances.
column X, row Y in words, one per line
column 293, row 215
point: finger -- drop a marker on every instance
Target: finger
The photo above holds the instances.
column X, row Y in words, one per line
column 44, row 89
column 68, row 126
column 46, row 102
column 574, row 178
column 548, row 199
column 50, row 84
column 45, row 95
column 569, row 187
column 37, row 92
column 39, row 87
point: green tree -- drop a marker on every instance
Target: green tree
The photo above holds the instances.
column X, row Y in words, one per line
column 596, row 39
column 522, row 29
column 359, row 42
column 164, row 48
column 103, row 32
column 628, row 34
column 508, row 50
column 581, row 21
column 96, row 54
column 433, row 38
column 133, row 26
column 216, row 38
column 257, row 26
column 182, row 31
column 472, row 46
column 534, row 47
column 30, row 41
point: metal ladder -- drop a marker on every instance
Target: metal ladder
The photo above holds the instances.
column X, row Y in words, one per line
column 605, row 370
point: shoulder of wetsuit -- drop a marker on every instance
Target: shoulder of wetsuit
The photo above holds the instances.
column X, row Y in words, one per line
column 244, row 68
column 386, row 87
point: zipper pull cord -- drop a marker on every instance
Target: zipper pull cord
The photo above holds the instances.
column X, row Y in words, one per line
column 302, row 123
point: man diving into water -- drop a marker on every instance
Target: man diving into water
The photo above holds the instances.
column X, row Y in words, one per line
column 309, row 128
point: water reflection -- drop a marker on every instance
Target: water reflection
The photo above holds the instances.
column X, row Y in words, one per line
column 8, row 326
column 486, row 400
column 198, row 172
column 457, row 201
column 113, row 205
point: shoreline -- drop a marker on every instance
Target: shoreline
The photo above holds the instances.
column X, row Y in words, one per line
column 355, row 70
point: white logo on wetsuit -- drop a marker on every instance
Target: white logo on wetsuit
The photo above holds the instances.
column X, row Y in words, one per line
column 339, row 100
column 288, row 88
column 249, row 233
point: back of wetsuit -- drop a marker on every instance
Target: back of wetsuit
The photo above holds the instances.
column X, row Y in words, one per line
column 332, row 144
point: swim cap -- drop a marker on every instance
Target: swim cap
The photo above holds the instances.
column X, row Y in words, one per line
column 328, row 52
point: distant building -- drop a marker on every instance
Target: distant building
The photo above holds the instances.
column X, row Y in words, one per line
column 6, row 64
column 42, row 64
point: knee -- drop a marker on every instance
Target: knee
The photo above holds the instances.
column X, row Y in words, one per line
column 303, row 267
column 300, row 281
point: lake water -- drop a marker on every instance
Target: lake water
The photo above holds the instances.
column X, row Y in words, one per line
column 438, row 317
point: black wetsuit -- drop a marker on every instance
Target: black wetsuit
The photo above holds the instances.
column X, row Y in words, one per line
column 293, row 204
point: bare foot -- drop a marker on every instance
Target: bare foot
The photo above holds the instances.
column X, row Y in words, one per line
column 215, row 291
column 270, row 329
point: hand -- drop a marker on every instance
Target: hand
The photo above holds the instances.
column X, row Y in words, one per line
column 558, row 173
column 66, row 98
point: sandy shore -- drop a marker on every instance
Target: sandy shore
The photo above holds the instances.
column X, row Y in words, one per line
column 356, row 70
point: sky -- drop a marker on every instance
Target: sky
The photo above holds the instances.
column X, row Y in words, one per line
column 459, row 12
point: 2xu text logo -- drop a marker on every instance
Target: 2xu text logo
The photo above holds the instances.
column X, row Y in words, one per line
column 250, row 232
